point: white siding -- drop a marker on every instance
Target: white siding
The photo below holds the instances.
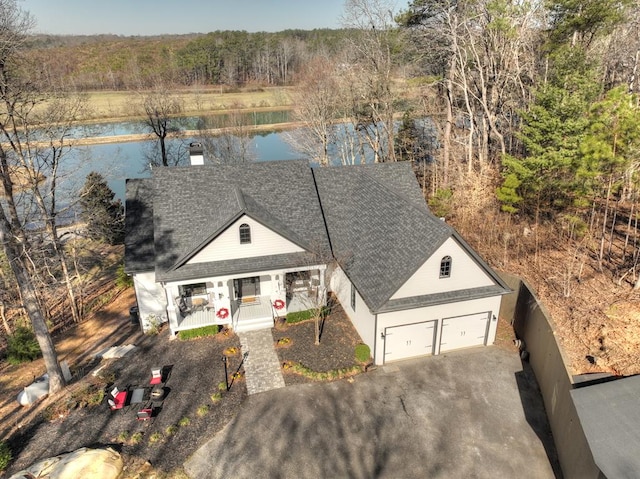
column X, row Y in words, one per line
column 465, row 273
column 227, row 245
column 151, row 299
column 362, row 319
column 437, row 313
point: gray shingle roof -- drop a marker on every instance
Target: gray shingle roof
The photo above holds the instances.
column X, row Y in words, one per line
column 380, row 247
column 139, row 253
column 380, row 234
column 380, row 227
column 206, row 199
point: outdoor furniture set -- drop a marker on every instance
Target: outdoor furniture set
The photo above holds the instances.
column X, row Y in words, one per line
column 150, row 397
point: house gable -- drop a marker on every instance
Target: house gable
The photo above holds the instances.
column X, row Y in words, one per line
column 465, row 273
column 227, row 246
column 193, row 206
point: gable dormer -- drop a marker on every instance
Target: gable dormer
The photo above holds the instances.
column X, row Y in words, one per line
column 245, row 238
column 449, row 268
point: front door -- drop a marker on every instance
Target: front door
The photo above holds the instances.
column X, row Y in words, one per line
column 247, row 288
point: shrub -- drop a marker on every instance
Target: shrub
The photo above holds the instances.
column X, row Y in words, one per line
column 198, row 332
column 171, row 430
column 155, row 437
column 136, row 438
column 363, row 353
column 321, row 376
column 298, row 316
column 123, row 280
column 5, row 455
column 185, row 421
column 440, row 203
column 203, row 410
column 123, row 436
column 22, row 346
column 215, row 397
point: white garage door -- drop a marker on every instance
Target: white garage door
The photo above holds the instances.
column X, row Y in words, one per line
column 464, row 331
column 409, row 340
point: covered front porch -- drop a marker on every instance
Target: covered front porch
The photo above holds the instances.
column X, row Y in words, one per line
column 198, row 319
column 245, row 316
column 244, row 302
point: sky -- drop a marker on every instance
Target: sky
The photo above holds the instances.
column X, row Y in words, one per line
column 155, row 17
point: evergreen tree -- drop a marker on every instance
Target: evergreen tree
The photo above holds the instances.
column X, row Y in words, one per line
column 104, row 216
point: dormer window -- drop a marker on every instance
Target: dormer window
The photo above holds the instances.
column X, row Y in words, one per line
column 445, row 267
column 245, row 234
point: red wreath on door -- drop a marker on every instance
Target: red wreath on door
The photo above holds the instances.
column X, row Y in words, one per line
column 222, row 313
column 278, row 304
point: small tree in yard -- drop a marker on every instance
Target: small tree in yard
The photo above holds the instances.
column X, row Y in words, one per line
column 315, row 302
column 104, row 216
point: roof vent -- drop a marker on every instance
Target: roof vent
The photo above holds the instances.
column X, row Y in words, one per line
column 196, row 153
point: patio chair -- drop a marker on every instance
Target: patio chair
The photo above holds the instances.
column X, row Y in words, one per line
column 156, row 376
column 119, row 399
column 144, row 414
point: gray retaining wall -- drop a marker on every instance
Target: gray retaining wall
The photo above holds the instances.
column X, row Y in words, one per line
column 534, row 325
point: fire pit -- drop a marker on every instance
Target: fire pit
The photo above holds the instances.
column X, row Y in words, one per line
column 157, row 393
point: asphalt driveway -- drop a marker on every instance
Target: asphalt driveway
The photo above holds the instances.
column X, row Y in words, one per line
column 474, row 414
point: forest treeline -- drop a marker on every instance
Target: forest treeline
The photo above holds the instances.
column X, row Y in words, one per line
column 230, row 58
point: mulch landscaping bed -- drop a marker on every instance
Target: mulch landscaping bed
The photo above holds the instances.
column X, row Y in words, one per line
column 196, row 370
column 336, row 350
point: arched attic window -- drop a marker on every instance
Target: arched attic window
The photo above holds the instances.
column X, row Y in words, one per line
column 445, row 267
column 245, row 234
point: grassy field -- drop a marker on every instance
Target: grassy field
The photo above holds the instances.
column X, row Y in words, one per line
column 118, row 105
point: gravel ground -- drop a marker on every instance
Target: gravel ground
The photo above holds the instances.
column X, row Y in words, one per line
column 196, row 371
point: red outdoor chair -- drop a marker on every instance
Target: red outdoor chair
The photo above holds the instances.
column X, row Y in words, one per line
column 144, row 414
column 156, row 376
column 119, row 399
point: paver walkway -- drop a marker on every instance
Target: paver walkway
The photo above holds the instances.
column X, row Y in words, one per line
column 261, row 364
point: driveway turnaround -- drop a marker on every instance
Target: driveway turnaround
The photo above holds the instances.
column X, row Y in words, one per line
column 474, row 414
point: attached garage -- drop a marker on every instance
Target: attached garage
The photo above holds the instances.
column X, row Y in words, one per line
column 409, row 340
column 407, row 280
column 464, row 331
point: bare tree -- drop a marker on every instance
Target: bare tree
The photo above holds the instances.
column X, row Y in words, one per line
column 310, row 289
column 227, row 138
column 317, row 108
column 369, row 73
column 14, row 90
column 161, row 106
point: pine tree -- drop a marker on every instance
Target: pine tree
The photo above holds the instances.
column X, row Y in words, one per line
column 103, row 216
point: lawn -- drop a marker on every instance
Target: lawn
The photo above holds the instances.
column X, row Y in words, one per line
column 118, row 105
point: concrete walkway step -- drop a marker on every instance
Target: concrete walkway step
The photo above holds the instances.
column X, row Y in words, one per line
column 261, row 364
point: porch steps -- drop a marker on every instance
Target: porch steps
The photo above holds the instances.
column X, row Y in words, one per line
column 252, row 317
column 253, row 324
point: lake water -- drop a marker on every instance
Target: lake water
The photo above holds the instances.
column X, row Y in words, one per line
column 118, row 161
column 255, row 118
